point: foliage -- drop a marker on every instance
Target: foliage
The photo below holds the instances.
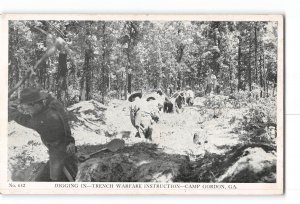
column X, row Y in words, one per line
column 258, row 123
column 215, row 101
column 126, row 56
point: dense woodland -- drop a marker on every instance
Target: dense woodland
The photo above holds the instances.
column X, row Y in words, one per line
column 111, row 59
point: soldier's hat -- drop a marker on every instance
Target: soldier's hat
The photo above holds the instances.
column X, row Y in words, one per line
column 31, row 95
column 150, row 98
column 134, row 95
column 159, row 92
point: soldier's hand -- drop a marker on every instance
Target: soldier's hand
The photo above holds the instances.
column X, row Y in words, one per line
column 71, row 149
column 12, row 105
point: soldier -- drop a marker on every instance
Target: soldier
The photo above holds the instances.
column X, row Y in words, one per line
column 211, row 82
column 142, row 115
column 46, row 116
column 179, row 102
column 190, row 95
column 168, row 106
column 170, row 90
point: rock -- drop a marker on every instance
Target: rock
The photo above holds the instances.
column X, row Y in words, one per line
column 199, row 138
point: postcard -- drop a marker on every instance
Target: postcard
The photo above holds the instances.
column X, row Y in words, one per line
column 142, row 104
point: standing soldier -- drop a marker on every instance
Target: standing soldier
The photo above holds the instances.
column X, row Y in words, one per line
column 48, row 117
column 210, row 82
column 190, row 95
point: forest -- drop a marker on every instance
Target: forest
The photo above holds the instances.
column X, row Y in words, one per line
column 111, row 59
column 220, row 131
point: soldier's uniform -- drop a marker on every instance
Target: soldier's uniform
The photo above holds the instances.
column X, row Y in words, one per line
column 190, row 97
column 211, row 83
column 142, row 115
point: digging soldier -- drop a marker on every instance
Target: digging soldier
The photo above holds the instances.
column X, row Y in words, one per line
column 48, row 117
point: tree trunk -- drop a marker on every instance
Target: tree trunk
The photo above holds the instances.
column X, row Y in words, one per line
column 128, row 71
column 267, row 82
column 264, row 74
column 87, row 75
column 249, row 68
column 198, row 73
column 83, row 89
column 104, row 72
column 109, row 81
column 61, row 77
column 17, row 65
column 125, row 84
column 129, row 83
column 160, row 64
column 179, row 81
column 261, row 75
column 239, row 64
column 255, row 38
column 231, row 79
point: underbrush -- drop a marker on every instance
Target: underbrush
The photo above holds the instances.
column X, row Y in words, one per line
column 258, row 122
column 257, row 117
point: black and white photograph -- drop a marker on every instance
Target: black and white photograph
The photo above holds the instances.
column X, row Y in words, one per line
column 145, row 103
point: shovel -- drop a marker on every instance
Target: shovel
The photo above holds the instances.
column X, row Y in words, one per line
column 112, row 146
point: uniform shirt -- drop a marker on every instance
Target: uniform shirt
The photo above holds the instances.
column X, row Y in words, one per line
column 142, row 112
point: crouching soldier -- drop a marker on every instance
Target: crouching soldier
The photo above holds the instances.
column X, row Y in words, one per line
column 142, row 117
column 48, row 117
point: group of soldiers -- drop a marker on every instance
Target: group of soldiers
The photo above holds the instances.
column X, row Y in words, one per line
column 43, row 113
column 145, row 111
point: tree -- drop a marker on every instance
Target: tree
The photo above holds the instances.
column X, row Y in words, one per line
column 100, row 59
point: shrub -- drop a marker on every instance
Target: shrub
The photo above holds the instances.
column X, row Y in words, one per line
column 259, row 120
column 215, row 101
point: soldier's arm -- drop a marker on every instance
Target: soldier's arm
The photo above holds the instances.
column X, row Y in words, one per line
column 16, row 115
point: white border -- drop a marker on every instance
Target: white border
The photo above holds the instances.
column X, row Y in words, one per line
column 48, row 188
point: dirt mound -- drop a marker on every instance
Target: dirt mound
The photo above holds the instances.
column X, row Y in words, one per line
column 251, row 163
column 142, row 162
column 255, row 165
column 88, row 122
column 91, row 112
